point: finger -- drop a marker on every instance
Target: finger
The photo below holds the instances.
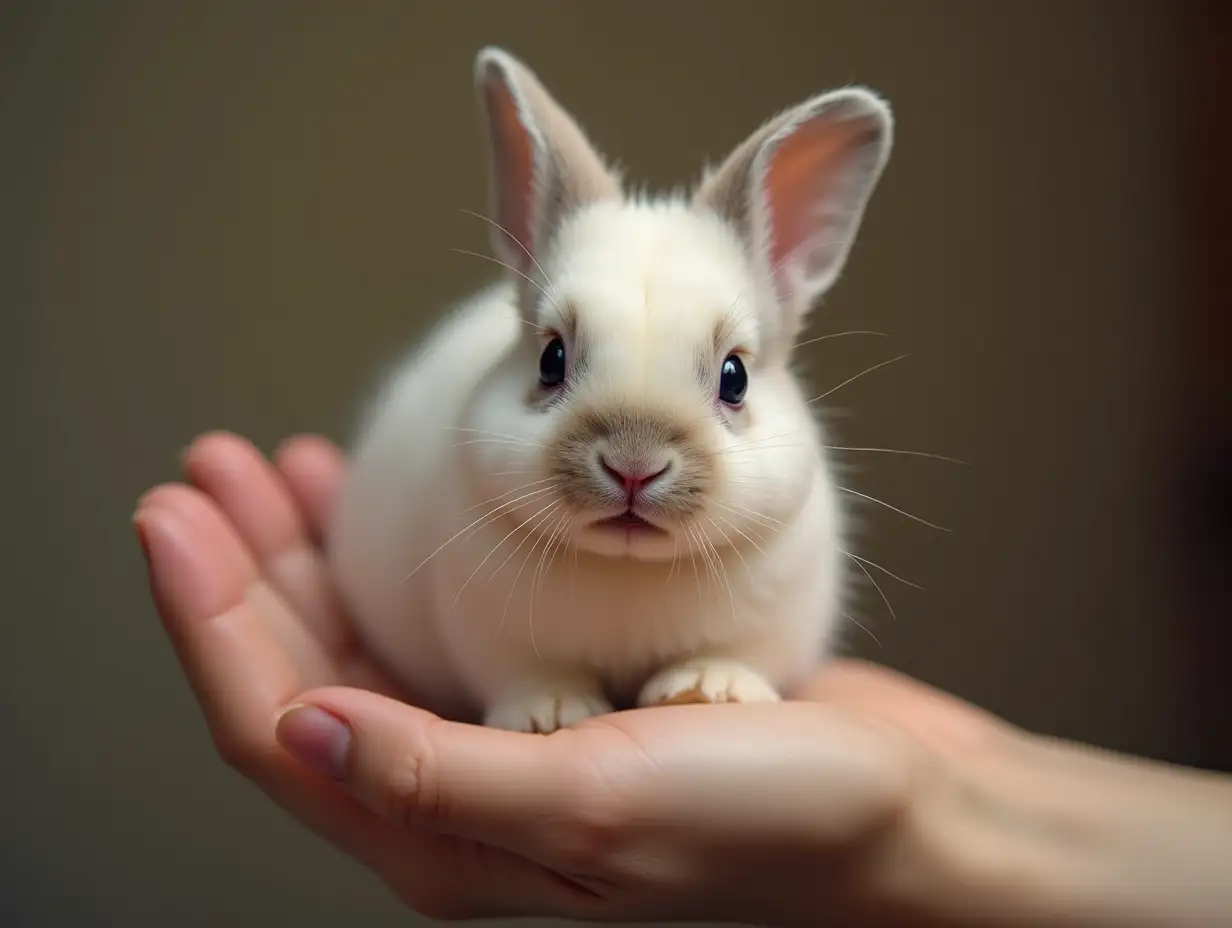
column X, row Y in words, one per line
column 493, row 797
column 244, row 654
column 519, row 792
column 314, row 469
column 202, row 580
column 252, row 494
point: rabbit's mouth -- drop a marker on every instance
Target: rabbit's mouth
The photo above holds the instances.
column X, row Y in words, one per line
column 628, row 521
column 629, row 534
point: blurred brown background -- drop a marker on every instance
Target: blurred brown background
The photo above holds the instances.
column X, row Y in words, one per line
column 227, row 214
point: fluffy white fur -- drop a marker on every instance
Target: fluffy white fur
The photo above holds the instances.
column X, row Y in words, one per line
column 464, row 555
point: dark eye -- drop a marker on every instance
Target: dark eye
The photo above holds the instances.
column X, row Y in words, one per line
column 552, row 364
column 733, row 381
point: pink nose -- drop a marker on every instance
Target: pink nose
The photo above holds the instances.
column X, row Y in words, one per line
column 631, row 480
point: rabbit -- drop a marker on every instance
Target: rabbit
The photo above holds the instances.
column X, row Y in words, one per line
column 598, row 483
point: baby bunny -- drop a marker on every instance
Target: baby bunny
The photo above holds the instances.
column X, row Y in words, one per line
column 599, row 483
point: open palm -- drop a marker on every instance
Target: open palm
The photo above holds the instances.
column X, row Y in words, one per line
column 636, row 814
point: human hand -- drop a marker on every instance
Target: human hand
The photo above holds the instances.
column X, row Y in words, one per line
column 750, row 812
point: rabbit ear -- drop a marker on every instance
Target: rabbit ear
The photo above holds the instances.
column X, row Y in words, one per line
column 796, row 190
column 542, row 165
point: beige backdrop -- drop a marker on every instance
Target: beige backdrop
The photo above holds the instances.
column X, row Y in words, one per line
column 232, row 214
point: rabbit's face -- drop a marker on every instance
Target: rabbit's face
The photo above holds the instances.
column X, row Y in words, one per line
column 655, row 421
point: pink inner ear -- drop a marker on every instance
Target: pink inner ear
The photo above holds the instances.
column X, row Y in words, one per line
column 805, row 175
column 514, row 165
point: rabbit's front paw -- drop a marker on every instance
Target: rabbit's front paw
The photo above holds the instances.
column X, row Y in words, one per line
column 543, row 708
column 707, row 681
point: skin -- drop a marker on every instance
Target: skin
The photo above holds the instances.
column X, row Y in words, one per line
column 867, row 798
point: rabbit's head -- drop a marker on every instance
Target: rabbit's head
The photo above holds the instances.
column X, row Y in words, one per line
column 650, row 409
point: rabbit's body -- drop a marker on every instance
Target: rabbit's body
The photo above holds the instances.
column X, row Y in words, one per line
column 772, row 602
column 625, row 527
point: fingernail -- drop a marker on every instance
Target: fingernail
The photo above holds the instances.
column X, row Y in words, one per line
column 316, row 738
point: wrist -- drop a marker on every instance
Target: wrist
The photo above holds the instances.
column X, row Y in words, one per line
column 1038, row 832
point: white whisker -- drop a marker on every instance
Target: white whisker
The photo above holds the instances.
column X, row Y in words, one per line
column 888, row 573
column 550, row 550
column 532, row 532
column 497, row 441
column 731, row 547
column 697, row 638
column 477, row 524
column 721, row 569
column 514, row 238
column 901, row 512
column 795, row 444
column 538, row 579
column 822, row 338
column 701, row 551
column 766, row 521
column 755, row 441
column 916, row 454
column 675, row 559
column 515, row 530
column 714, row 565
column 862, row 373
column 534, row 283
column 737, row 528
column 693, row 559
column 877, row 586
column 506, row 493
column 517, row 438
column 864, row 628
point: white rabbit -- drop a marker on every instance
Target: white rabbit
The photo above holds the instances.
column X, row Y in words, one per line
column 599, row 483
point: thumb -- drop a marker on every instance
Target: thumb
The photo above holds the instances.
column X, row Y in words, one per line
column 510, row 790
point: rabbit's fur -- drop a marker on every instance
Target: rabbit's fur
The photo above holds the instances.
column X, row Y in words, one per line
column 465, row 542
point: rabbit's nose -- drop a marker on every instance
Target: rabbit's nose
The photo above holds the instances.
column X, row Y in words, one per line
column 632, row 478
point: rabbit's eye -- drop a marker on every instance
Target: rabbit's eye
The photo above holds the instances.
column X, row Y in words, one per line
column 552, row 364
column 733, row 381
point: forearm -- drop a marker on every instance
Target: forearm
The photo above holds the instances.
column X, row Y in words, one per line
column 1044, row 833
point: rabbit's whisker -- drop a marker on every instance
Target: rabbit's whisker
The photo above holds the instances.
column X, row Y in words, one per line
column 877, row 587
column 513, row 238
column 864, row 628
column 534, row 283
column 477, row 524
column 901, row 512
column 497, row 441
column 862, row 373
column 822, row 338
column 518, row 489
column 916, row 454
column 538, row 577
column 517, row 438
column 874, row 564
column 751, row 514
column 496, row 547
column 532, row 527
column 746, row 537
